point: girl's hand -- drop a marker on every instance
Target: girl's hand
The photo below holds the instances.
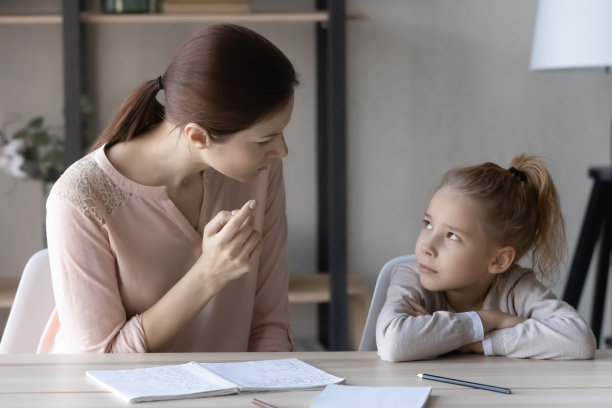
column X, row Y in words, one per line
column 415, row 308
column 494, row 320
column 230, row 245
column 475, row 348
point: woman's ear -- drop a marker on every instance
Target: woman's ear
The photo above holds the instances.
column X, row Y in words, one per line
column 197, row 136
column 503, row 260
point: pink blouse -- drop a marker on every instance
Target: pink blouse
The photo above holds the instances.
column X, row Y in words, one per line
column 117, row 246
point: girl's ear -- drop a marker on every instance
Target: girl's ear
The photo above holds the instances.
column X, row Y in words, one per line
column 502, row 260
column 197, row 136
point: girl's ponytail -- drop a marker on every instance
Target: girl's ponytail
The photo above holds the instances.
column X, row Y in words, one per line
column 139, row 112
column 548, row 244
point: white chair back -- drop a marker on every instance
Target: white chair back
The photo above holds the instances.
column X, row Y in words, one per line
column 368, row 339
column 32, row 307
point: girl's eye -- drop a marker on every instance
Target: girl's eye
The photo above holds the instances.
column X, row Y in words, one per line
column 427, row 225
column 453, row 236
column 265, row 142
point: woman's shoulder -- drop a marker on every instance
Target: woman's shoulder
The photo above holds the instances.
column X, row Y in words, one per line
column 87, row 187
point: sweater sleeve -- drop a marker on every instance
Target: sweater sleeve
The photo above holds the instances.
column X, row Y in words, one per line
column 83, row 269
column 553, row 330
column 270, row 325
column 401, row 336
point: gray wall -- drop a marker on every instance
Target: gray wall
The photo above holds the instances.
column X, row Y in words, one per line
column 431, row 84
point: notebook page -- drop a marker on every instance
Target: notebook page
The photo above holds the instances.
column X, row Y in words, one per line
column 162, row 383
column 334, row 396
column 283, row 374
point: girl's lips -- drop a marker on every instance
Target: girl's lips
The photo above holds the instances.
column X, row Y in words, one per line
column 425, row 269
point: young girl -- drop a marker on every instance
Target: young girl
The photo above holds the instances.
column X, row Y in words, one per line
column 466, row 291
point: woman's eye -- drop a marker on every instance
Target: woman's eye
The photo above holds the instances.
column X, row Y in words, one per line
column 453, row 236
column 427, row 225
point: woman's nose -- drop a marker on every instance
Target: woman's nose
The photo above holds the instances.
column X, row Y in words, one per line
column 280, row 148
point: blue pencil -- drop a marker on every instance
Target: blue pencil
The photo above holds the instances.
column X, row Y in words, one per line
column 465, row 383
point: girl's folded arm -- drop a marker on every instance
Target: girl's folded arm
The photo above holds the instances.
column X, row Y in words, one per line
column 553, row 330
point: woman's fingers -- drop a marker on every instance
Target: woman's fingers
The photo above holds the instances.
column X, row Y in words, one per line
column 217, row 223
column 237, row 220
column 250, row 245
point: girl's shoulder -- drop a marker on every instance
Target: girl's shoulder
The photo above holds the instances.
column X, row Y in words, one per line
column 406, row 275
column 519, row 278
column 406, row 272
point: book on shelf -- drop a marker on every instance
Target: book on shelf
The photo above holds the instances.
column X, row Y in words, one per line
column 177, row 7
column 194, row 380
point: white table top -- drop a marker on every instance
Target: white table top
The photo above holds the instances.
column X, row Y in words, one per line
column 60, row 381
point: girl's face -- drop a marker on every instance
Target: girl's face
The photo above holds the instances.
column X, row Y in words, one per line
column 452, row 250
column 246, row 153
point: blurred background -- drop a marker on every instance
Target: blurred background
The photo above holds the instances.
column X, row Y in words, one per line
column 431, row 84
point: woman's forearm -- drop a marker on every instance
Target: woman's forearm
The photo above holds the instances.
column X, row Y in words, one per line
column 170, row 314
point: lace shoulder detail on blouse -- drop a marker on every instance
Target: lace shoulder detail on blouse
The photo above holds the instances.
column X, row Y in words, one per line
column 89, row 189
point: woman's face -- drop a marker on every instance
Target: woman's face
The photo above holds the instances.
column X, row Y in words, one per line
column 243, row 155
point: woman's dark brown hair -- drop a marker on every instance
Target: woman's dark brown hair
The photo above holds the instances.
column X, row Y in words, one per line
column 225, row 78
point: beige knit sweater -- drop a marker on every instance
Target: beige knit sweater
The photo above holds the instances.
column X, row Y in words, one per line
column 554, row 330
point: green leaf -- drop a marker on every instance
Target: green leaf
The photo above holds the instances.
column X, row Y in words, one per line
column 40, row 138
column 30, row 153
column 55, row 157
column 21, row 134
column 36, row 122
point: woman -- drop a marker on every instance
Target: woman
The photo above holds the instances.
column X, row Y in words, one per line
column 146, row 254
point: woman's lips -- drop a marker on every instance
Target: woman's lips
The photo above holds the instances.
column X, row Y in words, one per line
column 425, row 269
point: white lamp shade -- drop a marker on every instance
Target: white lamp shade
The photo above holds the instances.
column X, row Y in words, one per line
column 572, row 34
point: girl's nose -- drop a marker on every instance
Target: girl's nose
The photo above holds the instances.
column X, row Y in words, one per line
column 428, row 249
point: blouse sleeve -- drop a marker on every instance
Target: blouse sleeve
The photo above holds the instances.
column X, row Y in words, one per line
column 270, row 327
column 83, row 269
column 553, row 329
column 401, row 336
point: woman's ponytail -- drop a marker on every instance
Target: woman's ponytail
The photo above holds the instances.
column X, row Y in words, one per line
column 138, row 113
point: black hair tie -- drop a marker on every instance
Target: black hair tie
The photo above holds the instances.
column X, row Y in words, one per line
column 159, row 83
column 518, row 174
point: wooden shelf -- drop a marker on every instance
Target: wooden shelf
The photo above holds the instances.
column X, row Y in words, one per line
column 304, row 17
column 31, row 19
column 315, row 288
column 89, row 17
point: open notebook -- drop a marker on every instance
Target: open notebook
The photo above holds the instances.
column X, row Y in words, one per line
column 192, row 380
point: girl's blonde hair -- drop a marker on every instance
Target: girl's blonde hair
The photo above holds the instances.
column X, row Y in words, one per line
column 518, row 207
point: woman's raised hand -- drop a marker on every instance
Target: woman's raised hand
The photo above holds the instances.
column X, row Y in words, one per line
column 230, row 245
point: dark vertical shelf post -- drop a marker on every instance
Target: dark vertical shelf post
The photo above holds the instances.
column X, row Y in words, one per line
column 72, row 80
column 322, row 172
column 336, row 167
